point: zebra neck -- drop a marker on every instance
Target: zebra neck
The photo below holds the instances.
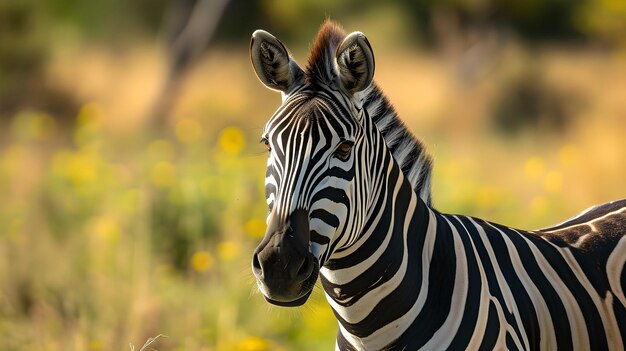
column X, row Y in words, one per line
column 408, row 151
column 367, row 284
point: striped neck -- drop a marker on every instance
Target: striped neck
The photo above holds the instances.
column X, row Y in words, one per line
column 364, row 282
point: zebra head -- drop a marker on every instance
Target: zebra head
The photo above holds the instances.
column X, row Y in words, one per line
column 315, row 179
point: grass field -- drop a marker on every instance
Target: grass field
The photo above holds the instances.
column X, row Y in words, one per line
column 111, row 233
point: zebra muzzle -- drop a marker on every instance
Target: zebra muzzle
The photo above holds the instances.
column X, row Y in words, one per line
column 284, row 268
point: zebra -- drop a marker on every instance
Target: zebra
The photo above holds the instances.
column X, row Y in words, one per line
column 348, row 193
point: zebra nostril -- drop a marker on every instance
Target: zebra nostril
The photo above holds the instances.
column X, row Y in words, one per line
column 306, row 268
column 256, row 266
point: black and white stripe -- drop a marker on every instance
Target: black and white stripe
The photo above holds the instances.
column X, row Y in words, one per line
column 398, row 274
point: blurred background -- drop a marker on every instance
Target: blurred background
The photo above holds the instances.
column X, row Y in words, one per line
column 131, row 177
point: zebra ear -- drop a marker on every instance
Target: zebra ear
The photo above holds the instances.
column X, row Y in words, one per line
column 272, row 63
column 355, row 61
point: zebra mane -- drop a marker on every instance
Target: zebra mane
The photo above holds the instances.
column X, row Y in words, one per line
column 408, row 151
column 320, row 67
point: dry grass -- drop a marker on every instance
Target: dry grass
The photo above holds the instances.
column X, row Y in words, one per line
column 148, row 343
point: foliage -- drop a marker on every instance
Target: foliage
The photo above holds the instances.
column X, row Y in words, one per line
column 111, row 234
column 107, row 241
column 115, row 237
column 22, row 50
column 603, row 19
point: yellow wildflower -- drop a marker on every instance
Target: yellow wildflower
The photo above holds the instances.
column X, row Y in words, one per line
column 108, row 229
column 253, row 343
column 95, row 345
column 202, row 261
column 228, row 250
column 232, row 140
column 90, row 113
column 534, row 168
column 83, row 168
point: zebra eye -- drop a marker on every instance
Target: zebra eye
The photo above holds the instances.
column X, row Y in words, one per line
column 343, row 151
column 267, row 143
